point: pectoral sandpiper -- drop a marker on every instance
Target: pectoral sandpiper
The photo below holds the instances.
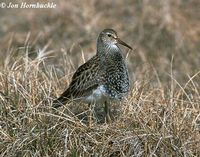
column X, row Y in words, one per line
column 101, row 79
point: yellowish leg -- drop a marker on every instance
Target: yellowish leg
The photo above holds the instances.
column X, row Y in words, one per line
column 90, row 116
column 107, row 112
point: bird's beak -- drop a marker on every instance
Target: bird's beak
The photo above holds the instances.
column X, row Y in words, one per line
column 123, row 43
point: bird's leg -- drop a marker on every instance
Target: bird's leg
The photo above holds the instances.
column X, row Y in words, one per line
column 90, row 116
column 107, row 112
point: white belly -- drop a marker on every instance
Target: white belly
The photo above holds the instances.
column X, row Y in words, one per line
column 97, row 96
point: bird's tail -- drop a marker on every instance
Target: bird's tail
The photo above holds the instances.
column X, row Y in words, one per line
column 62, row 100
column 57, row 103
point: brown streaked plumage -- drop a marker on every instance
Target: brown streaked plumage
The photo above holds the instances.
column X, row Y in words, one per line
column 101, row 79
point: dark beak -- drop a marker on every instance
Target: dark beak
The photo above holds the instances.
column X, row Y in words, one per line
column 123, row 43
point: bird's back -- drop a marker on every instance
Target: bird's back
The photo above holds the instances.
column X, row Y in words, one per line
column 84, row 81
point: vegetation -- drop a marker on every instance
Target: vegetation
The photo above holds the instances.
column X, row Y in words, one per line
column 40, row 50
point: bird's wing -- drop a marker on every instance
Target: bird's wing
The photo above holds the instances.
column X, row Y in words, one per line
column 84, row 81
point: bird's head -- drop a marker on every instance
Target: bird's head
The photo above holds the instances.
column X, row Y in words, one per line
column 109, row 37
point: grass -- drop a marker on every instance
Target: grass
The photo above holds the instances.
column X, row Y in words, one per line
column 160, row 116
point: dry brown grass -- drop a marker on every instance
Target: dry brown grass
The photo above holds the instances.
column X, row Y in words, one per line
column 40, row 52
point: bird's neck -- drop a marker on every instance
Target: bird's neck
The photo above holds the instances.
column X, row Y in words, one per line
column 107, row 52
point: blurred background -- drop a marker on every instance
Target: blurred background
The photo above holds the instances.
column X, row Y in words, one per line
column 165, row 34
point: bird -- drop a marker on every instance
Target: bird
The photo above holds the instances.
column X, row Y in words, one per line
column 102, row 79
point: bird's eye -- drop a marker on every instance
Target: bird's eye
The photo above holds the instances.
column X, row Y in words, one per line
column 109, row 35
